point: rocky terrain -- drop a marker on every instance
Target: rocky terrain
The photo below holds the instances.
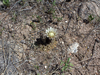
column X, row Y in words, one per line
column 25, row 48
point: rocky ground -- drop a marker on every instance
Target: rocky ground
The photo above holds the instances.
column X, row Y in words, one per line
column 25, row 49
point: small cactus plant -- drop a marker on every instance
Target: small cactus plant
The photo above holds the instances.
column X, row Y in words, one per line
column 51, row 32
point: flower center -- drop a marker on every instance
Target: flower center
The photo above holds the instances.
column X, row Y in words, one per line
column 51, row 34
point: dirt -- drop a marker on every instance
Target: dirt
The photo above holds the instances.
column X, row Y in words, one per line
column 26, row 50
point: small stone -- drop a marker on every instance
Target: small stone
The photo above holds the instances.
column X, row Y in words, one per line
column 45, row 67
column 66, row 21
column 2, row 73
column 1, row 3
column 22, row 41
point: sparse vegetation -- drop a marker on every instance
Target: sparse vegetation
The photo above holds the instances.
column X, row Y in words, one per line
column 38, row 37
column 52, row 10
column 14, row 17
column 37, row 67
column 38, row 0
column 6, row 2
column 90, row 18
column 0, row 33
column 1, row 30
column 33, row 25
column 39, row 18
column 66, row 65
column 22, row 2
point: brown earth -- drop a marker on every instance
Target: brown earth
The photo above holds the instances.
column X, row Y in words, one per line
column 22, row 35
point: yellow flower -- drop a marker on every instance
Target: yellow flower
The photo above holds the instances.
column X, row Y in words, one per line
column 51, row 32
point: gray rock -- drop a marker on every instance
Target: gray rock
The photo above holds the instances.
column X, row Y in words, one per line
column 89, row 8
column 22, row 41
column 1, row 3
